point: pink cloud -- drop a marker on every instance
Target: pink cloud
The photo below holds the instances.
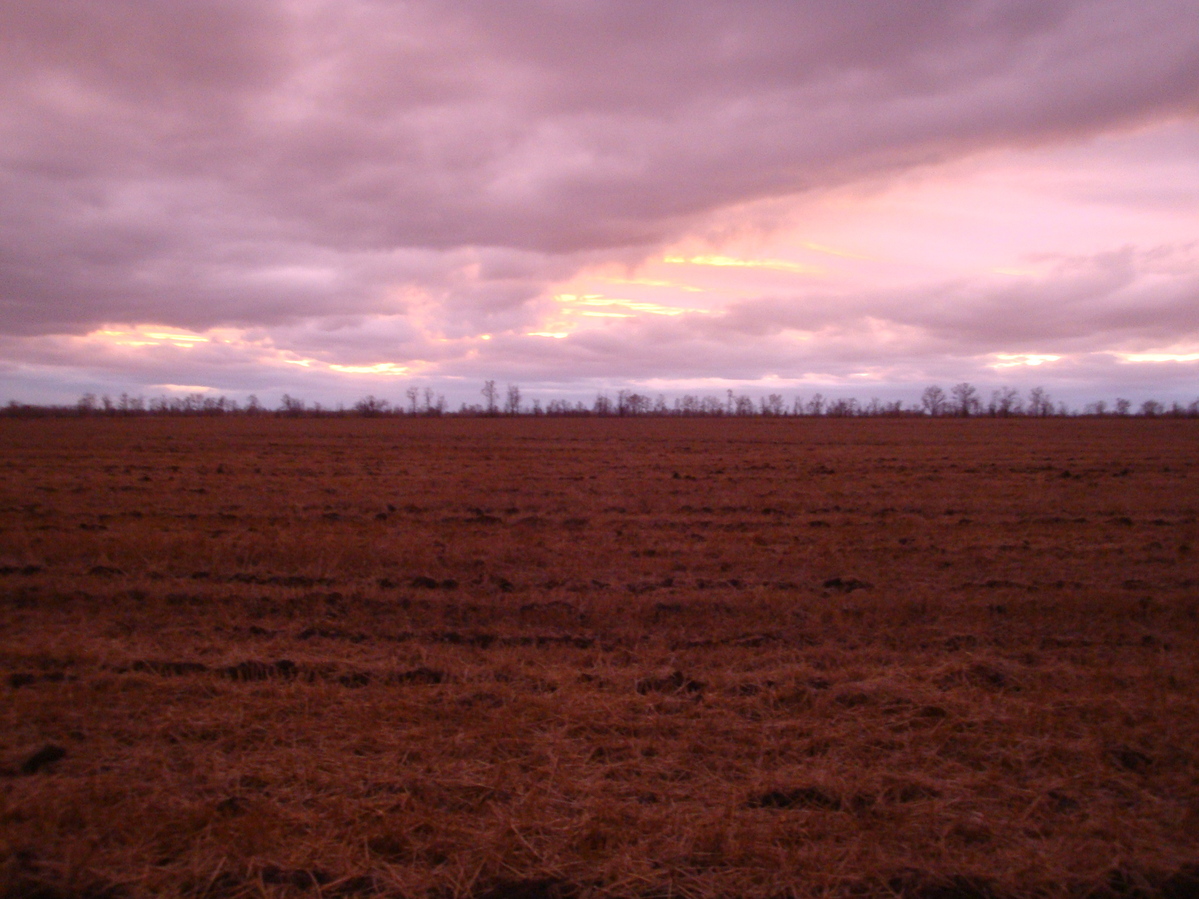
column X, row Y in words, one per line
column 275, row 165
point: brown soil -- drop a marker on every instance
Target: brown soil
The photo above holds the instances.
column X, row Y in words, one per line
column 548, row 659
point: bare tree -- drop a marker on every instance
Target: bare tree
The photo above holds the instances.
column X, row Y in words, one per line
column 933, row 400
column 290, row 406
column 429, row 400
column 512, row 406
column 772, row 405
column 489, row 394
column 1039, row 403
column 413, row 394
column 1123, row 406
column 815, row 406
column 965, row 399
column 1005, row 401
column 629, row 402
column 371, row 406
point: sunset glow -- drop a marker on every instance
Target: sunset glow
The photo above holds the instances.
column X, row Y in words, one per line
column 818, row 204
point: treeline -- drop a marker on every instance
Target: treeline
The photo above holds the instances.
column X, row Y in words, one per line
column 962, row 400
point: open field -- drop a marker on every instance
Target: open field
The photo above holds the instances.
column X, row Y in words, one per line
column 528, row 659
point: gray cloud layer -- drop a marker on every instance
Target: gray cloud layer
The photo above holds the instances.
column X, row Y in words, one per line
column 261, row 163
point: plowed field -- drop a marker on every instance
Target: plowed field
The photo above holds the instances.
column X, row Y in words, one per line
column 535, row 658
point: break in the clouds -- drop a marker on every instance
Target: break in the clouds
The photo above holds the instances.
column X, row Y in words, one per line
column 332, row 198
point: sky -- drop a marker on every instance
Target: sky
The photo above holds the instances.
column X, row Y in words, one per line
column 335, row 198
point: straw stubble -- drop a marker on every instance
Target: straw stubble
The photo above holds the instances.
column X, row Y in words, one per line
column 531, row 659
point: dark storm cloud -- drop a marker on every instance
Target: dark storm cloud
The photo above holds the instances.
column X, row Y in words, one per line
column 264, row 162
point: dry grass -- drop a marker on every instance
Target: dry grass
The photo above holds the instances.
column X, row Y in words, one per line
column 535, row 659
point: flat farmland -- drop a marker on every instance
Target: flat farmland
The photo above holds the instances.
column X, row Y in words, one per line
column 547, row 658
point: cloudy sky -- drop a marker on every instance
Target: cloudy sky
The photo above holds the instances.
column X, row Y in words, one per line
column 347, row 197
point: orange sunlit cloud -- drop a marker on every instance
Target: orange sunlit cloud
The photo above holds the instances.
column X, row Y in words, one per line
column 1011, row 360
column 138, row 337
column 778, row 265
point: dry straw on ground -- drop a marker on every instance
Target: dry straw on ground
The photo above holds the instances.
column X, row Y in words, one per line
column 534, row 659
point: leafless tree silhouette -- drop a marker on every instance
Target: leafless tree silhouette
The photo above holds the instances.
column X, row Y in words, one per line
column 1039, row 403
column 512, row 405
column 965, row 399
column 933, row 400
column 489, row 393
column 1004, row 402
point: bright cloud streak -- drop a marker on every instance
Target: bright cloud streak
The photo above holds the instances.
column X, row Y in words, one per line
column 138, row 337
column 1011, row 360
column 176, row 338
column 588, row 305
column 381, row 368
column 777, row 265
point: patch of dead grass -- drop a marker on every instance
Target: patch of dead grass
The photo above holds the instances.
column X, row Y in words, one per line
column 522, row 660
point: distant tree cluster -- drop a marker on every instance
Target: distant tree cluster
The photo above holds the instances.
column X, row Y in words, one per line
column 961, row 401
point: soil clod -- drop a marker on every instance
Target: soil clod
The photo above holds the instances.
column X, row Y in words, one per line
column 43, row 758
